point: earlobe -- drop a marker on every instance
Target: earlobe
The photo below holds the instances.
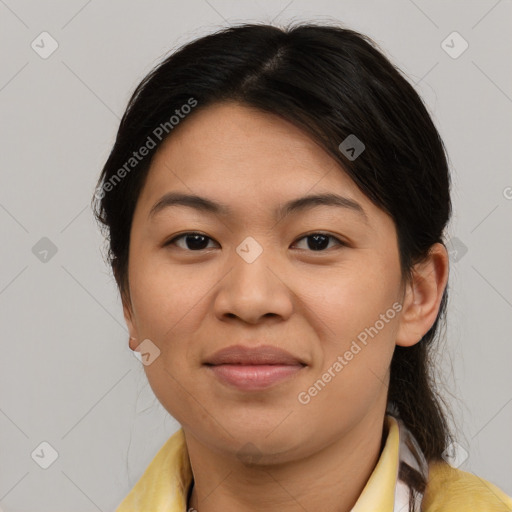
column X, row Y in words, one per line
column 133, row 343
column 423, row 296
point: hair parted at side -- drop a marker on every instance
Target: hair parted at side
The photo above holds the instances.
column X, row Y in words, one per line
column 331, row 82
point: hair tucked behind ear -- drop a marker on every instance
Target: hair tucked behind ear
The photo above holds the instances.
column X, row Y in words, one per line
column 332, row 82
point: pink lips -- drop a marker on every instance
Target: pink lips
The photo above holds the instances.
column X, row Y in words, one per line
column 253, row 368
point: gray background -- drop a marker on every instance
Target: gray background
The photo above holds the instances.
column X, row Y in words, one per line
column 67, row 376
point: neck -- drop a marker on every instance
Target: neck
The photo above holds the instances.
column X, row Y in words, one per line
column 331, row 479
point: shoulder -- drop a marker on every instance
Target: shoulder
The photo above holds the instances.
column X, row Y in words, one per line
column 450, row 489
column 165, row 480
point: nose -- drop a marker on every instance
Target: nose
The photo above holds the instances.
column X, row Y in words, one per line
column 253, row 290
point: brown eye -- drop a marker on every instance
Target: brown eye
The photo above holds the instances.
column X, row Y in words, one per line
column 192, row 241
column 319, row 241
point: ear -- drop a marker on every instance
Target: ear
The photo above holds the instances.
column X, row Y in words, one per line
column 128, row 316
column 124, row 289
column 422, row 296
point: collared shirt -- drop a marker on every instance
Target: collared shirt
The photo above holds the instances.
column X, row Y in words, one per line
column 164, row 485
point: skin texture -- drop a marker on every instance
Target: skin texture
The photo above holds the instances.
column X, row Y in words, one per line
column 191, row 303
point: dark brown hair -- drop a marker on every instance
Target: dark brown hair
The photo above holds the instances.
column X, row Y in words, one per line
column 332, row 82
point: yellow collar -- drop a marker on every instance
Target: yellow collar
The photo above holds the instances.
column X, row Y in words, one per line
column 164, row 484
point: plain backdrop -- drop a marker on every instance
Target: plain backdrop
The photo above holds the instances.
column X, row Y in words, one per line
column 67, row 376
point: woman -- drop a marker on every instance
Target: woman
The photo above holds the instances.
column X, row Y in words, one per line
column 275, row 202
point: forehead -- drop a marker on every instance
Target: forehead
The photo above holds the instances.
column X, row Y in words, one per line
column 241, row 155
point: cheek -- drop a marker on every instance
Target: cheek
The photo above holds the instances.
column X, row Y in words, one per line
column 359, row 325
column 170, row 305
column 354, row 298
column 358, row 312
column 354, row 357
column 166, row 299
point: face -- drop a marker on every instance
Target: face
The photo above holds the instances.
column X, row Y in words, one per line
column 319, row 280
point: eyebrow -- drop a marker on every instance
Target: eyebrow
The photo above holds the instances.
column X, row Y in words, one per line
column 300, row 204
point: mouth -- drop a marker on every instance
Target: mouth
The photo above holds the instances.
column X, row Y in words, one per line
column 254, row 377
column 252, row 369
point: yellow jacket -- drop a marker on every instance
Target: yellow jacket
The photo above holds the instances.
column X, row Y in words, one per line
column 165, row 483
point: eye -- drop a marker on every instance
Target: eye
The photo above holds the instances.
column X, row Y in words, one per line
column 193, row 241
column 319, row 241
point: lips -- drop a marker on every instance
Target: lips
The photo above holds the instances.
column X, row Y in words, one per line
column 253, row 369
column 262, row 355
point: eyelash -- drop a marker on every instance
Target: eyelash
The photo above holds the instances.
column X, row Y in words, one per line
column 183, row 235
